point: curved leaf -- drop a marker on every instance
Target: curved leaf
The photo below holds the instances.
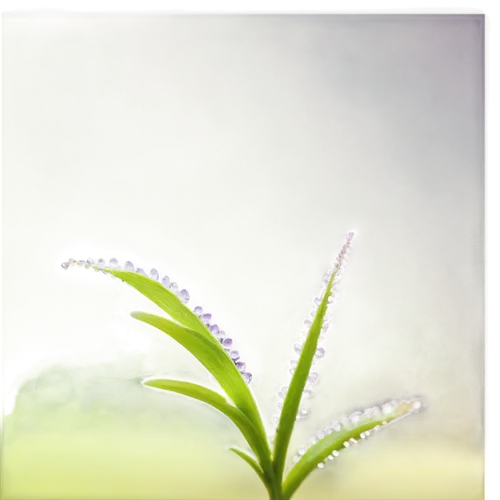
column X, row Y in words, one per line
column 338, row 440
column 218, row 402
column 216, row 360
column 163, row 298
column 250, row 461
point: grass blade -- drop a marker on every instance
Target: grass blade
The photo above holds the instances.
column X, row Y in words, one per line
column 336, row 439
column 165, row 299
column 218, row 402
column 299, row 379
column 216, row 360
column 297, row 384
column 250, row 461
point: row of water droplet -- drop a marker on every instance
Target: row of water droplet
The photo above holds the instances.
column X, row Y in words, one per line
column 338, row 268
column 183, row 294
column 357, row 418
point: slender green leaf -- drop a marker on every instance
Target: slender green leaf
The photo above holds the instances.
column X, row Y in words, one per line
column 297, row 384
column 338, row 440
column 250, row 461
column 218, row 402
column 216, row 360
column 165, row 299
column 212, row 356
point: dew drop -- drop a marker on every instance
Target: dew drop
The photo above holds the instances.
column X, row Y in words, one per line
column 198, row 310
column 282, row 392
column 65, row 265
column 275, row 420
column 301, row 450
column 113, row 263
column 320, row 352
column 336, row 426
column 247, row 376
column 154, row 274
column 317, row 301
column 280, row 405
column 295, row 459
column 165, row 281
column 141, row 271
column 221, row 334
column 214, row 329
column 388, row 408
column 308, row 393
column 80, row 263
column 184, row 296
column 294, row 363
column 321, row 465
column 416, row 405
column 235, row 355
column 128, row 265
column 330, row 457
column 303, row 413
column 241, row 366
column 206, row 318
column 312, row 378
column 320, row 434
column 355, row 417
column 297, row 349
column 307, row 323
column 101, row 263
column 174, row 287
column 227, row 342
column 335, row 453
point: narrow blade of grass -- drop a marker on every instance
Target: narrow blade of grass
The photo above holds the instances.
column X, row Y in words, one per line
column 297, row 384
column 218, row 402
column 165, row 299
column 216, row 360
column 250, row 461
column 339, row 440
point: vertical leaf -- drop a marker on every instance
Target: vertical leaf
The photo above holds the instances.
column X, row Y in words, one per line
column 299, row 379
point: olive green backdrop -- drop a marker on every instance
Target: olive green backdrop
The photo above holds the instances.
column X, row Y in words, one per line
column 170, row 138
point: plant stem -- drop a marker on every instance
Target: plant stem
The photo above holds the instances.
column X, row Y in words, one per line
column 275, row 495
column 275, row 490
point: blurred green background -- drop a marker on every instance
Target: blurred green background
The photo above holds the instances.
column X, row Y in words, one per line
column 192, row 142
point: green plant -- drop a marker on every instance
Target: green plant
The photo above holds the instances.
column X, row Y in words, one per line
column 213, row 349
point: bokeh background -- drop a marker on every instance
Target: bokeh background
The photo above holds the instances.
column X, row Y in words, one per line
column 233, row 153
